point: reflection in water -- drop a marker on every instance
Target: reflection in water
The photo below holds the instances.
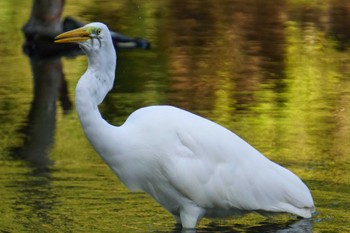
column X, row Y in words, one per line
column 38, row 133
column 275, row 72
column 226, row 57
column 340, row 20
column 48, row 80
column 300, row 225
column 292, row 226
column 36, row 197
column 49, row 85
column 45, row 20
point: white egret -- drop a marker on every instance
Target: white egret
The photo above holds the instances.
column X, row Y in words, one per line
column 192, row 166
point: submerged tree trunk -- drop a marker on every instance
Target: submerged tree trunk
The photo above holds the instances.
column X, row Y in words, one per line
column 45, row 19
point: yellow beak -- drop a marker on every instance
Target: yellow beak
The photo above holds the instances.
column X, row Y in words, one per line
column 73, row 36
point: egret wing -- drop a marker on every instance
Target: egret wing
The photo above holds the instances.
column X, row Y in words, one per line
column 218, row 170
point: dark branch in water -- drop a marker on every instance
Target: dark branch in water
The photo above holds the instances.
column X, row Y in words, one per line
column 42, row 46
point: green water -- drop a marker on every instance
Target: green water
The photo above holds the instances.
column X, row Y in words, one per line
column 275, row 72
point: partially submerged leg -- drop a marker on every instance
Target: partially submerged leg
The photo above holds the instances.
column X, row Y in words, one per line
column 190, row 216
column 178, row 224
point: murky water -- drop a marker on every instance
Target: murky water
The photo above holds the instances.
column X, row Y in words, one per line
column 275, row 72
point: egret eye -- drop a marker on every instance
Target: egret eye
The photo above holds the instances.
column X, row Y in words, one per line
column 98, row 31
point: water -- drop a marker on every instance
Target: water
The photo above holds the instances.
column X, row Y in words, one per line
column 276, row 73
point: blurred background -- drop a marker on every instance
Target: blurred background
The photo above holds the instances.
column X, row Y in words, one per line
column 277, row 73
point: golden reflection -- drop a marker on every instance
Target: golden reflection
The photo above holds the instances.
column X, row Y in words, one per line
column 275, row 72
column 313, row 75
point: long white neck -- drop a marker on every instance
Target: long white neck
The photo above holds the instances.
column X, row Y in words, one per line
column 92, row 88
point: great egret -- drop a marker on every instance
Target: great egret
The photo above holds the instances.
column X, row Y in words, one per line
column 192, row 166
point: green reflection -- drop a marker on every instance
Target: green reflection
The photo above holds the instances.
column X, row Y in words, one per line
column 275, row 72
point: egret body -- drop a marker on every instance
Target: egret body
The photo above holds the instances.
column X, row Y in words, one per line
column 192, row 166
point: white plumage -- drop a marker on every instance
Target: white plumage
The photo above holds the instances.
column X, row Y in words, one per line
column 192, row 166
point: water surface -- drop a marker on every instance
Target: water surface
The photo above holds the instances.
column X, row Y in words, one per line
column 275, row 72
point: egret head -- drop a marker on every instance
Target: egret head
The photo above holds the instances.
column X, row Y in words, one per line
column 92, row 36
column 96, row 41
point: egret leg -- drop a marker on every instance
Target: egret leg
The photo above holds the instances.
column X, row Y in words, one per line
column 177, row 219
column 190, row 215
